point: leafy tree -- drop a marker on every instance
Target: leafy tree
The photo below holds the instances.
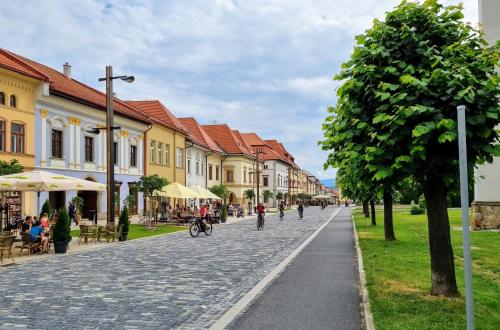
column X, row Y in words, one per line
column 401, row 88
column 249, row 194
column 147, row 185
column 221, row 191
column 11, row 167
column 267, row 194
column 279, row 196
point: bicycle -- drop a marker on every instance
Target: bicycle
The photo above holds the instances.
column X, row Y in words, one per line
column 282, row 214
column 260, row 221
column 301, row 215
column 198, row 226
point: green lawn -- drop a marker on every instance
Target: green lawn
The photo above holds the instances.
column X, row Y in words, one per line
column 398, row 275
column 140, row 231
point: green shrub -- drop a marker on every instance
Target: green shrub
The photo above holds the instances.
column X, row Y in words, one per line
column 124, row 219
column 223, row 214
column 46, row 208
column 62, row 231
column 417, row 209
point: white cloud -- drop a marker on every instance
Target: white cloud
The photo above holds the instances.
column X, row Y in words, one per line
column 263, row 65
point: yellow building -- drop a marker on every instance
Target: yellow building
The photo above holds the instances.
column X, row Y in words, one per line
column 19, row 86
column 164, row 142
column 238, row 163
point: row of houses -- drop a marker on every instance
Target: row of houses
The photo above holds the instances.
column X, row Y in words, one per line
column 46, row 122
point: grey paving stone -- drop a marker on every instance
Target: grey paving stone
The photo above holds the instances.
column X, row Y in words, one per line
column 156, row 283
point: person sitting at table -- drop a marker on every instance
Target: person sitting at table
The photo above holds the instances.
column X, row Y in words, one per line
column 28, row 223
column 36, row 236
column 44, row 221
column 230, row 210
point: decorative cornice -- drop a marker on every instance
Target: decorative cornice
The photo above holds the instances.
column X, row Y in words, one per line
column 44, row 113
column 123, row 133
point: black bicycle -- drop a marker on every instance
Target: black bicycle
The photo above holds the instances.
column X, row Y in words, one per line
column 282, row 214
column 200, row 226
column 301, row 215
column 260, row 221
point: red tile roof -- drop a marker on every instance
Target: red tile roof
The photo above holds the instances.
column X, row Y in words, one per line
column 159, row 113
column 11, row 62
column 256, row 142
column 230, row 141
column 198, row 134
column 70, row 88
column 280, row 149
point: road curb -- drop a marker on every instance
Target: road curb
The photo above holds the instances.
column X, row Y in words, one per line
column 245, row 301
column 367, row 314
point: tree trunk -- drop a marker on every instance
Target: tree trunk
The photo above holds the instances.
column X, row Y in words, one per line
column 441, row 252
column 365, row 209
column 372, row 205
column 388, row 225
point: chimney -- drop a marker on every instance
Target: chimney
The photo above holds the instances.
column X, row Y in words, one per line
column 67, row 70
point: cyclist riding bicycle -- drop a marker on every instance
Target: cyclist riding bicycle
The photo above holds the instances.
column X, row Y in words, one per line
column 282, row 210
column 260, row 214
column 300, row 208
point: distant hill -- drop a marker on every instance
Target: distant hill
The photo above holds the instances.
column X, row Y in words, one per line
column 330, row 183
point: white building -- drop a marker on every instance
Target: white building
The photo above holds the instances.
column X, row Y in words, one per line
column 486, row 205
column 273, row 166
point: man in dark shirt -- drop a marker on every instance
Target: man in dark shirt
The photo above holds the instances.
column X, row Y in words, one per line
column 26, row 227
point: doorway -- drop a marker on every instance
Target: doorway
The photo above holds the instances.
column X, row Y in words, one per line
column 89, row 200
column 57, row 199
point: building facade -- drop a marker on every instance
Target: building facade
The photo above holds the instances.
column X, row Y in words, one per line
column 486, row 205
column 63, row 118
column 19, row 86
column 164, row 142
column 238, row 170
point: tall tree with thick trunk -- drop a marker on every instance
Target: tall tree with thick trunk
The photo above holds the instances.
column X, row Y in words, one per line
column 372, row 206
column 366, row 211
column 388, row 223
column 397, row 111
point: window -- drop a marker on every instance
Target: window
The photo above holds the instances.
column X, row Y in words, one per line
column 189, row 166
column 266, row 181
column 17, row 138
column 229, row 176
column 210, row 169
column 2, row 136
column 167, row 154
column 2, row 98
column 152, row 152
column 245, row 176
column 202, row 168
column 57, row 144
column 89, row 149
column 197, row 168
column 115, row 153
column 13, row 101
column 133, row 156
column 266, row 166
column 160, row 153
column 179, row 156
column 217, row 172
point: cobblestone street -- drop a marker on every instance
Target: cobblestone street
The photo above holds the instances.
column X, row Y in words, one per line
column 159, row 282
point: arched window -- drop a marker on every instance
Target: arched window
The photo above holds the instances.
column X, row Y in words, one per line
column 2, row 98
column 13, row 101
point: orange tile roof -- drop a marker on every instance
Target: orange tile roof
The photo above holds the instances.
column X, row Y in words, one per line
column 11, row 62
column 159, row 113
column 230, row 141
column 256, row 142
column 73, row 89
column 198, row 134
column 281, row 151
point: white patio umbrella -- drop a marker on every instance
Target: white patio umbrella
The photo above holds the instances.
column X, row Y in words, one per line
column 176, row 190
column 45, row 181
column 204, row 193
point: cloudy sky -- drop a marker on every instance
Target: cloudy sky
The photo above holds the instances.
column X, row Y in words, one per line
column 263, row 66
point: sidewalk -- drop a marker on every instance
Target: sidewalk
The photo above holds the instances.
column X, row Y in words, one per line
column 318, row 290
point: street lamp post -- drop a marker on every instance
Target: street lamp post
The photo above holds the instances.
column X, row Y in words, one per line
column 110, row 147
column 257, row 152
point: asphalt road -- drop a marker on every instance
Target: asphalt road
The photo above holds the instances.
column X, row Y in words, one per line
column 318, row 290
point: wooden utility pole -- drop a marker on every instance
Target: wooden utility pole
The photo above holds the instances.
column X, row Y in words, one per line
column 257, row 152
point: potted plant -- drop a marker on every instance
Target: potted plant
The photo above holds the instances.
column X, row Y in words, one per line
column 78, row 202
column 124, row 222
column 223, row 213
column 62, row 232
column 46, row 208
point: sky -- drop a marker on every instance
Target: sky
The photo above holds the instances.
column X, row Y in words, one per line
column 263, row 66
